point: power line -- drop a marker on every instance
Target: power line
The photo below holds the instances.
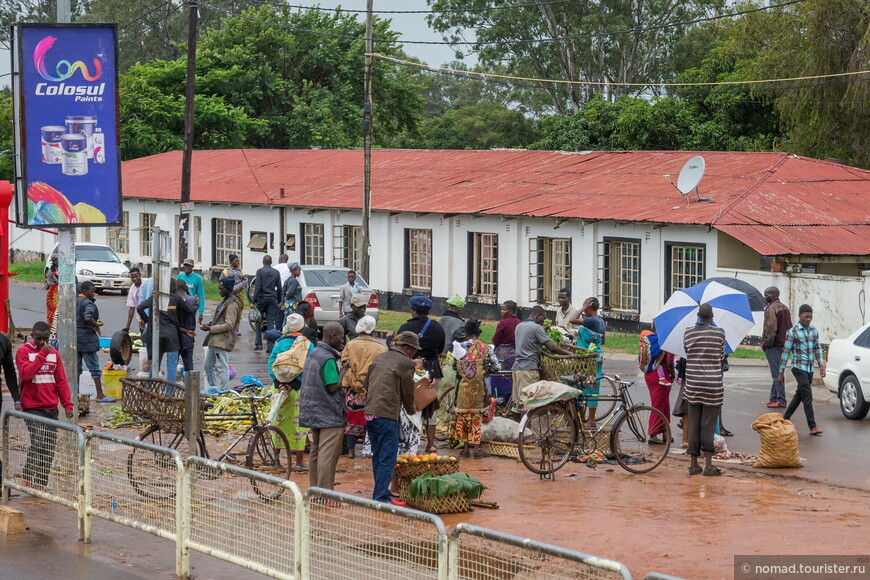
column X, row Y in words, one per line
column 146, row 15
column 521, row 40
column 609, row 84
column 444, row 11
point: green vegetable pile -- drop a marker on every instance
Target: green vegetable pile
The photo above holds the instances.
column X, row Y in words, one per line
column 228, row 404
column 118, row 418
column 441, row 485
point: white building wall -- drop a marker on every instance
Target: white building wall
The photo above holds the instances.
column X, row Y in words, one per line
column 837, row 300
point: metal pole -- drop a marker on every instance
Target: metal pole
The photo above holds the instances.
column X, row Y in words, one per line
column 153, row 349
column 184, row 219
column 367, row 147
column 63, row 11
column 66, row 312
column 66, row 285
column 191, row 410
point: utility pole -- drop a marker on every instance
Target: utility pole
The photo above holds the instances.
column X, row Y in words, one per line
column 66, row 284
column 184, row 217
column 367, row 148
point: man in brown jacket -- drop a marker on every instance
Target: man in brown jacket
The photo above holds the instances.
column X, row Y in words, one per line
column 777, row 320
column 389, row 386
column 221, row 337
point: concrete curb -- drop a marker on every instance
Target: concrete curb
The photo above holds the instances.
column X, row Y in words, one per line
column 734, row 362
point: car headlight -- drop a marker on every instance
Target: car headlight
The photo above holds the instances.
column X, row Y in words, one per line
column 84, row 272
column 125, row 274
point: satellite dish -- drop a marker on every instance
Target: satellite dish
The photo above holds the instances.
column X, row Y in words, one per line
column 690, row 177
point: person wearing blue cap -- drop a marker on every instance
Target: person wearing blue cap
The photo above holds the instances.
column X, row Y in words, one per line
column 432, row 338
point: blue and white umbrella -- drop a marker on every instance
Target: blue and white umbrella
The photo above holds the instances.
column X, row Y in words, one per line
column 731, row 312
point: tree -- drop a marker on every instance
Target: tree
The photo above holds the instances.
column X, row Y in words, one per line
column 826, row 117
column 590, row 55
column 152, row 118
column 307, row 88
column 478, row 126
column 34, row 11
column 6, row 159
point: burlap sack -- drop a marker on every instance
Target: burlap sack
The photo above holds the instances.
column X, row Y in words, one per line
column 779, row 442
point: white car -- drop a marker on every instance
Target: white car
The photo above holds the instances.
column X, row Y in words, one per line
column 321, row 286
column 99, row 264
column 848, row 372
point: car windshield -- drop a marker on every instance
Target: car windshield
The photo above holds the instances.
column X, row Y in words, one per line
column 328, row 278
column 95, row 254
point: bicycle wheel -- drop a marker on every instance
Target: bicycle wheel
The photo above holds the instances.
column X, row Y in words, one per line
column 152, row 475
column 269, row 452
column 606, row 388
column 630, row 440
column 547, row 437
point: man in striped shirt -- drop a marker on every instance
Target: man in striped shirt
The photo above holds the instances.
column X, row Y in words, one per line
column 703, row 389
column 802, row 340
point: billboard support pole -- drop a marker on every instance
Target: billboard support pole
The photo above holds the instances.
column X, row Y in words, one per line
column 65, row 314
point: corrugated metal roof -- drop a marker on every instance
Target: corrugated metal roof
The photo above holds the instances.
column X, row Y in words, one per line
column 755, row 190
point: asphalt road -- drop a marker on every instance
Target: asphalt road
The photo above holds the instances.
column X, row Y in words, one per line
column 837, row 457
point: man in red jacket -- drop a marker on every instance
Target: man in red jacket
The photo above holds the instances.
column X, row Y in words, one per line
column 43, row 385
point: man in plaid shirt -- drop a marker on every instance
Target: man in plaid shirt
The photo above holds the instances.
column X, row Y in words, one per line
column 802, row 339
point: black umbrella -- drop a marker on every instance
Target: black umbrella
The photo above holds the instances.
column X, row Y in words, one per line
column 756, row 298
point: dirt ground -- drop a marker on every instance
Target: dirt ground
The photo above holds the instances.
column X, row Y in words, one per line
column 662, row 521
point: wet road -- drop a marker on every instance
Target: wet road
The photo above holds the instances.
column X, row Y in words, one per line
column 837, row 457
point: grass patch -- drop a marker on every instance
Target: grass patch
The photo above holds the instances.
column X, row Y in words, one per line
column 391, row 320
column 29, row 271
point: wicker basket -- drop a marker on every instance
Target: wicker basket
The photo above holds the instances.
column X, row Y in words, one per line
column 157, row 401
column 453, row 503
column 602, row 444
column 84, row 405
column 413, row 470
column 502, row 449
column 554, row 366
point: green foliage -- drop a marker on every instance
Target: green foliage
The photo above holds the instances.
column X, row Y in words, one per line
column 441, row 485
column 647, row 56
column 28, row 271
column 6, row 159
column 480, row 126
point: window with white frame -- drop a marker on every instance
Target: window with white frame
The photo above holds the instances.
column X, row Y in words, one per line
column 197, row 238
column 620, row 275
column 146, row 231
column 119, row 236
column 84, row 235
column 347, row 246
column 549, row 268
column 227, row 240
column 483, row 265
column 685, row 266
column 418, row 259
column 312, row 244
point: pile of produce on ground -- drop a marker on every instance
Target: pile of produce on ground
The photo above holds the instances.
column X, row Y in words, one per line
column 443, row 485
column 229, row 403
column 423, row 458
column 119, row 418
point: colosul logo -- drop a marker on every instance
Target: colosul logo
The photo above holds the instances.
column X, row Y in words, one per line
column 64, row 70
column 39, row 62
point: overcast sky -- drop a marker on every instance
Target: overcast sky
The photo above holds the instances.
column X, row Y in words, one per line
column 409, row 27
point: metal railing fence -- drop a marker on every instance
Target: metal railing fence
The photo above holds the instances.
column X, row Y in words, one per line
column 251, row 519
column 44, row 458
column 353, row 537
column 481, row 554
column 258, row 521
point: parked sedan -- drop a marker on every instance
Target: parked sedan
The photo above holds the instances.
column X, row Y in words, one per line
column 848, row 373
column 320, row 287
column 99, row 264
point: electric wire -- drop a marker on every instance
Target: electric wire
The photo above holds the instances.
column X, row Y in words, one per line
column 519, row 40
column 444, row 11
column 146, row 15
column 605, row 83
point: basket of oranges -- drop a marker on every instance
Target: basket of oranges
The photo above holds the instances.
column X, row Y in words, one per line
column 411, row 465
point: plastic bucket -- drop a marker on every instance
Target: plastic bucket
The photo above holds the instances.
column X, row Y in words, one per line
column 112, row 383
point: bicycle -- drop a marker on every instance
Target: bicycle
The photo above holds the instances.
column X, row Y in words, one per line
column 551, row 434
column 267, row 449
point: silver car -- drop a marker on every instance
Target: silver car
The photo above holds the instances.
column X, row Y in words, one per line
column 321, row 286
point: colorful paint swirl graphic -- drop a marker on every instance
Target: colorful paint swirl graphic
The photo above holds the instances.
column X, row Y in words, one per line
column 64, row 69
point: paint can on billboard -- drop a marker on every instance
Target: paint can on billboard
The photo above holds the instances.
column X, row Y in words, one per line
column 85, row 125
column 75, row 154
column 99, row 147
column 51, row 151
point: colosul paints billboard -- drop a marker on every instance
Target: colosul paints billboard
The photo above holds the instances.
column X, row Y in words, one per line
column 65, row 84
